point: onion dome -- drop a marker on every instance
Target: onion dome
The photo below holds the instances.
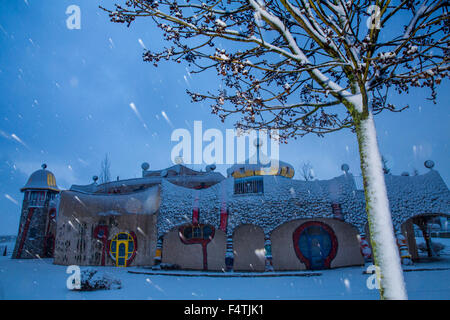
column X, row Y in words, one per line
column 41, row 179
column 261, row 165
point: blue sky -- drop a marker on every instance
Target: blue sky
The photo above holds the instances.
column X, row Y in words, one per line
column 65, row 100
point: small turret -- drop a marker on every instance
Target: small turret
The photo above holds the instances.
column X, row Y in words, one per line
column 36, row 236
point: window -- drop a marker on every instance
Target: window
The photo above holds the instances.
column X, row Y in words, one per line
column 249, row 185
column 51, row 180
column 51, row 196
column 37, row 198
column 196, row 233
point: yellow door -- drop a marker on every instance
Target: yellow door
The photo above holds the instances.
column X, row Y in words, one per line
column 121, row 248
column 122, row 253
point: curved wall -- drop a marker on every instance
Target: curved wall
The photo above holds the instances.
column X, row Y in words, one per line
column 248, row 248
column 283, row 252
column 190, row 256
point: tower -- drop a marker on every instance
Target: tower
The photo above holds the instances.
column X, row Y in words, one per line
column 37, row 227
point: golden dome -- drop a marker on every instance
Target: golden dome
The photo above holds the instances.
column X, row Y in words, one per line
column 41, row 179
column 261, row 165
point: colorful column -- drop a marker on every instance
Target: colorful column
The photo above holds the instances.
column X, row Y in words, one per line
column 403, row 249
column 223, row 210
column 101, row 233
column 196, row 209
column 268, row 253
column 229, row 254
column 365, row 247
column 158, row 253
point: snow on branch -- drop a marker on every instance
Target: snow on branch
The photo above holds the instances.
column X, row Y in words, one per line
column 300, row 66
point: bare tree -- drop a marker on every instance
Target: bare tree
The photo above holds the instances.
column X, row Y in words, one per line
column 309, row 66
column 306, row 171
column 105, row 166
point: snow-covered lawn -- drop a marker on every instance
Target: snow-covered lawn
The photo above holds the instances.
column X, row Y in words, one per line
column 40, row 279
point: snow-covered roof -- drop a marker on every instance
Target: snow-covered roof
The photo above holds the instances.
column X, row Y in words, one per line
column 408, row 196
column 283, row 200
column 178, row 174
column 175, row 170
column 88, row 188
column 414, row 195
column 286, row 199
column 41, row 179
column 143, row 202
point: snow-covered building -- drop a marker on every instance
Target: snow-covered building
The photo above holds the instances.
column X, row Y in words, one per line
column 258, row 218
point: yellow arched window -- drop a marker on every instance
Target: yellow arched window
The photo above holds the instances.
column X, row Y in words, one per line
column 122, row 248
column 51, row 182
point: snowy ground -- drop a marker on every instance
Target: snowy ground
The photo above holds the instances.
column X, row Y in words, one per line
column 40, row 279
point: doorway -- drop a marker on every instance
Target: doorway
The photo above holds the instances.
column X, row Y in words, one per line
column 315, row 245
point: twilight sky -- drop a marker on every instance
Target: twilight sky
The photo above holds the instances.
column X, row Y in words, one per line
column 65, row 100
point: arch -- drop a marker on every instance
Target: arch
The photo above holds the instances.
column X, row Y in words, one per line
column 285, row 257
column 401, row 220
column 194, row 253
column 315, row 244
column 422, row 221
column 406, row 228
column 248, row 248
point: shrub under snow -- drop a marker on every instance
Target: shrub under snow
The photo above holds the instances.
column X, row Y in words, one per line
column 92, row 280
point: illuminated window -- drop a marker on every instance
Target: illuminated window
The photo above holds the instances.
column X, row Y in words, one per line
column 249, row 185
column 197, row 232
column 122, row 248
column 51, row 182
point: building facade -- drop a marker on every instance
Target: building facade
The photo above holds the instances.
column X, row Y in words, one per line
column 258, row 218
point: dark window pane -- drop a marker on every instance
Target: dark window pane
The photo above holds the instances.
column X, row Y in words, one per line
column 122, row 250
column 187, row 232
column 197, row 232
column 249, row 185
column 122, row 236
column 207, row 231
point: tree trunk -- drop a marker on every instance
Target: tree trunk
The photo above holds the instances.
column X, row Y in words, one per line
column 385, row 252
column 423, row 225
